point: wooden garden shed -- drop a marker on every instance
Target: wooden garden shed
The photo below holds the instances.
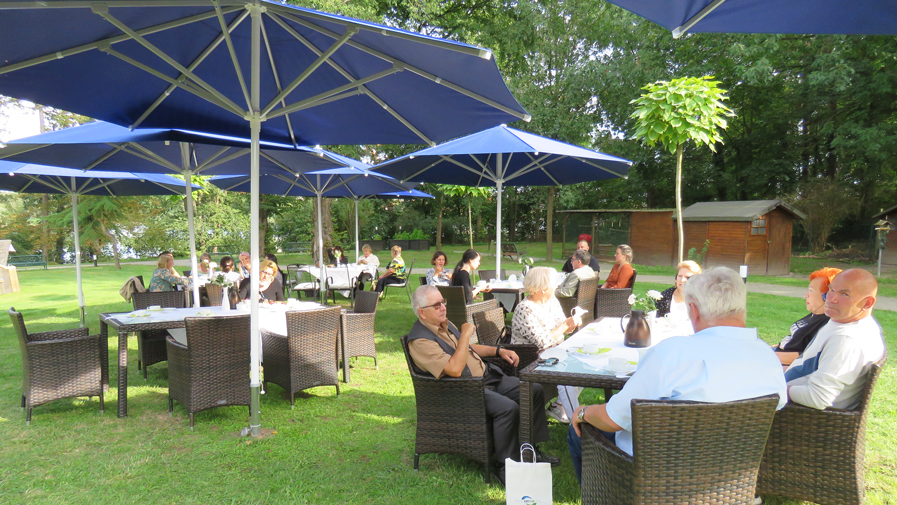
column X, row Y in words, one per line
column 889, row 255
column 754, row 233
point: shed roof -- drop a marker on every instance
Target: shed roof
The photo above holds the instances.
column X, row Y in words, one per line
column 884, row 213
column 735, row 211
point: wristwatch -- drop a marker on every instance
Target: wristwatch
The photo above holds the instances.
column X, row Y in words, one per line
column 498, row 350
column 581, row 414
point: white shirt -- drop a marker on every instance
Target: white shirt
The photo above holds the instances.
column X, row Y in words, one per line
column 678, row 309
column 718, row 364
column 832, row 369
column 370, row 260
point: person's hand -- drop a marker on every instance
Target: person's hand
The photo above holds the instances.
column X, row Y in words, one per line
column 468, row 329
column 509, row 356
column 571, row 323
column 574, row 420
column 487, row 289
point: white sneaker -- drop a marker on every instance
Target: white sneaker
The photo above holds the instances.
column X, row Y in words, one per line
column 758, row 500
column 556, row 411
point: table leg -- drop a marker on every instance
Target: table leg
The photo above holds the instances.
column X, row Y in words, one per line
column 526, row 412
column 104, row 353
column 342, row 336
column 122, row 374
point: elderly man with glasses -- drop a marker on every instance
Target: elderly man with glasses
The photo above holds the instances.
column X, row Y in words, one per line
column 439, row 348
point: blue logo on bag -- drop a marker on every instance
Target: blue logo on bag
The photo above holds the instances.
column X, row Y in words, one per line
column 528, row 501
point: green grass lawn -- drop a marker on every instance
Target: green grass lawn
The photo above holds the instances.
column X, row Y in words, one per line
column 355, row 448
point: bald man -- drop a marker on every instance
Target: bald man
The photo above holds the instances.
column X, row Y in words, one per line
column 831, row 372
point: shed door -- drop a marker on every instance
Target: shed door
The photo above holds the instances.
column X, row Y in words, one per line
column 779, row 255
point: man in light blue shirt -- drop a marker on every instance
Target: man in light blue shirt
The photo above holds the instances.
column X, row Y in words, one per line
column 723, row 361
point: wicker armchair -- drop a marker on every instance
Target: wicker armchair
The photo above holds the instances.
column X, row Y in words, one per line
column 358, row 328
column 458, row 311
column 451, row 416
column 151, row 343
column 612, row 302
column 683, row 452
column 489, row 324
column 58, row 364
column 215, row 294
column 488, row 275
column 585, row 298
column 212, row 370
column 818, row 455
column 306, row 357
column 631, row 283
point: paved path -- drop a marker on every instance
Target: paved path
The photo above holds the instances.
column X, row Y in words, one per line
column 883, row 303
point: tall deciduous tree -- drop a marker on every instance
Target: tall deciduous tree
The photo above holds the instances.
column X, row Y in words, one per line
column 674, row 112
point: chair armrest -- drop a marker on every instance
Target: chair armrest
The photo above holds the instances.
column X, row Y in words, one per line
column 58, row 334
column 75, row 350
column 175, row 343
column 41, row 343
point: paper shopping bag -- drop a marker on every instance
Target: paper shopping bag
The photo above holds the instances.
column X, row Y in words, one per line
column 527, row 483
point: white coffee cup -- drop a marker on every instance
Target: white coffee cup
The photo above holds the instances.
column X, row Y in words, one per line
column 591, row 348
column 154, row 307
column 617, row 365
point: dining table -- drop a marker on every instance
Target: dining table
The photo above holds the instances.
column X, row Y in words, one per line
column 593, row 357
column 272, row 319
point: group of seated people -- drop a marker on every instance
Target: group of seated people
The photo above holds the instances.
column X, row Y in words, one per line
column 166, row 278
column 826, row 356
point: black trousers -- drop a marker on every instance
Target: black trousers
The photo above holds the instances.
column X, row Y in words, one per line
column 391, row 279
column 503, row 407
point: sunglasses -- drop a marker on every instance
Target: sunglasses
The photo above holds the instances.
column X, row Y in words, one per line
column 436, row 305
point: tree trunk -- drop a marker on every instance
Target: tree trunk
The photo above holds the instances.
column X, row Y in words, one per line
column 479, row 233
column 326, row 222
column 114, row 240
column 549, row 228
column 263, row 230
column 681, row 226
column 439, row 223
column 470, row 220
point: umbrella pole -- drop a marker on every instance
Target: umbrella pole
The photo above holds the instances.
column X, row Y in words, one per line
column 188, row 178
column 78, row 253
column 498, row 182
column 322, row 294
column 356, row 231
column 255, row 125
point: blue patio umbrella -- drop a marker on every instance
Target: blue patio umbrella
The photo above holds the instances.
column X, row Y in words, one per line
column 504, row 156
column 106, row 146
column 28, row 178
column 865, row 17
column 248, row 68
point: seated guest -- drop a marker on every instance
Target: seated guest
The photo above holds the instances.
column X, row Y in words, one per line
column 672, row 300
column 245, row 264
column 470, row 261
column 165, row 278
column 396, row 273
column 227, row 269
column 622, row 271
column 367, row 258
column 581, row 270
column 438, row 275
column 280, row 275
column 540, row 321
column 831, row 372
column 335, row 256
column 584, row 244
column 205, row 260
column 722, row 362
column 437, row 347
column 270, row 288
column 804, row 329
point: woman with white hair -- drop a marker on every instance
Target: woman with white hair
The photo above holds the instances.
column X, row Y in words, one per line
column 539, row 320
column 672, row 300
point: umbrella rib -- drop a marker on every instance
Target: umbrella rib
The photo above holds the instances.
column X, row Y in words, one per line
column 104, row 157
column 484, row 166
column 94, row 45
column 349, row 77
column 276, row 77
column 149, row 155
column 215, row 43
column 534, row 164
column 214, row 160
column 462, row 165
column 61, row 187
column 418, row 71
column 188, row 87
column 103, row 11
column 100, row 184
column 233, row 55
column 680, row 30
column 596, row 165
column 313, row 101
column 309, row 70
column 12, row 150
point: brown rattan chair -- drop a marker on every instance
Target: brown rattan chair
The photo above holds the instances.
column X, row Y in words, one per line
column 215, row 294
column 819, row 455
column 151, row 343
column 459, row 312
column 631, row 283
column 451, row 416
column 488, row 275
column 612, row 302
column 58, row 364
column 212, row 370
column 585, row 298
column 423, row 281
column 358, row 327
column 683, row 452
column 306, row 357
column 490, row 324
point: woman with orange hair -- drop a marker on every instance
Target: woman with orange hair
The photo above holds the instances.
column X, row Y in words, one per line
column 804, row 329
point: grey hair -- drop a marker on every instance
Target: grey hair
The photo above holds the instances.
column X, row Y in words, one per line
column 419, row 297
column 583, row 256
column 539, row 279
column 718, row 293
column 627, row 251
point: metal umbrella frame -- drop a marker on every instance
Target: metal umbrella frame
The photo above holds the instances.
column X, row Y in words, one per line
column 505, row 156
column 325, row 79
column 29, row 178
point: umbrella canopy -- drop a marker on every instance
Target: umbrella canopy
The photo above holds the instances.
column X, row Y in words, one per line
column 236, row 66
column 27, row 178
column 866, row 17
column 505, row 156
